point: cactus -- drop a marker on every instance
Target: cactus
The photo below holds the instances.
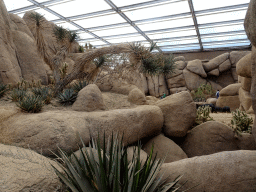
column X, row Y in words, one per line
column 241, row 122
column 203, row 114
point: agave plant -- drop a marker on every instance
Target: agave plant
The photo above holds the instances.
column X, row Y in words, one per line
column 43, row 92
column 31, row 104
column 68, row 97
column 3, row 89
column 106, row 168
column 18, row 94
column 79, row 86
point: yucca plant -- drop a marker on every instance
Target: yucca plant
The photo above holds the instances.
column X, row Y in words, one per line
column 203, row 114
column 241, row 122
column 3, row 89
column 18, row 94
column 31, row 104
column 67, row 97
column 43, row 92
column 105, row 168
column 79, row 86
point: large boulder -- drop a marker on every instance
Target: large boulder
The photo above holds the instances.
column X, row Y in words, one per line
column 179, row 58
column 226, row 65
column 26, row 170
column 176, row 82
column 133, row 152
column 157, row 85
column 177, row 90
column 137, row 97
column 229, row 171
column 215, row 86
column 245, row 99
column 244, row 65
column 224, row 79
column 234, row 74
column 193, row 81
column 229, row 101
column 231, row 90
column 175, row 73
column 215, row 62
column 214, row 72
column 196, row 67
column 165, row 148
column 235, row 56
column 211, row 101
column 180, row 65
column 208, row 138
column 89, row 99
column 246, row 83
column 179, row 113
column 249, row 22
column 44, row 132
column 10, row 71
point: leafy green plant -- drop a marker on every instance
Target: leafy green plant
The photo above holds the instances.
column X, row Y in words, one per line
column 3, row 90
column 43, row 92
column 203, row 114
column 67, row 97
column 31, row 104
column 241, row 122
column 18, row 94
column 202, row 93
column 106, row 168
column 79, row 86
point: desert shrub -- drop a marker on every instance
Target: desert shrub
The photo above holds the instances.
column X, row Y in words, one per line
column 31, row 104
column 202, row 93
column 18, row 94
column 67, row 97
column 43, row 92
column 203, row 114
column 241, row 122
column 3, row 90
column 79, row 86
column 105, row 168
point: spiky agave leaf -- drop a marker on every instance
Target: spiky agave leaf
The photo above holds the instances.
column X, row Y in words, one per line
column 38, row 18
column 79, row 86
column 60, row 33
column 72, row 36
column 68, row 97
column 100, row 61
column 31, row 104
column 3, row 89
column 168, row 65
column 149, row 66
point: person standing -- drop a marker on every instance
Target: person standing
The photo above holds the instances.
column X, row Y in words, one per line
column 217, row 94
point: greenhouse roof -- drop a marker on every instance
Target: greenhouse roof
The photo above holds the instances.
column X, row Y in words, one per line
column 175, row 25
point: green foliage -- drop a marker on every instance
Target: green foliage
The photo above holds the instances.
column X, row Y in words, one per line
column 67, row 97
column 100, row 61
column 168, row 65
column 60, row 33
column 72, row 36
column 31, row 104
column 202, row 93
column 3, row 90
column 45, row 94
column 18, row 94
column 81, row 49
column 150, row 66
column 106, row 168
column 79, row 86
column 241, row 122
column 38, row 18
column 203, row 114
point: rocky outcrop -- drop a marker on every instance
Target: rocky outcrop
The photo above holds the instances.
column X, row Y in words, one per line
column 246, row 83
column 196, row 67
column 236, row 168
column 245, row 99
column 216, row 62
column 26, row 170
column 46, row 131
column 214, row 72
column 176, row 82
column 179, row 113
column 229, row 101
column 244, row 66
column 137, row 97
column 165, row 148
column 231, row 90
column 193, row 81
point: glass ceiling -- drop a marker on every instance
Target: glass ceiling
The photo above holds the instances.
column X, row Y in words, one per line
column 176, row 25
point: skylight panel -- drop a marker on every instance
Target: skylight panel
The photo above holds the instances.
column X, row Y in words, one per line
column 176, row 49
column 96, row 43
column 115, row 31
column 85, row 36
column 202, row 4
column 158, row 10
column 46, row 14
column 166, row 24
column 171, row 43
column 127, row 39
column 127, row 2
column 227, row 45
column 221, row 29
column 12, row 5
column 224, row 38
column 78, row 7
column 226, row 16
column 67, row 25
column 172, row 34
column 100, row 21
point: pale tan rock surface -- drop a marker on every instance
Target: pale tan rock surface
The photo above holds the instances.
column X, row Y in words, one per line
column 226, row 65
column 179, row 113
column 245, row 99
column 165, row 148
column 179, row 58
column 176, row 82
column 215, row 62
column 196, row 67
column 211, row 101
column 133, row 151
column 137, row 97
column 235, row 56
column 231, row 90
column 243, row 67
column 177, row 90
column 246, row 83
column 214, row 72
column 180, row 65
column 215, row 86
column 26, row 170
column 193, row 81
column 229, row 171
column 229, row 101
column 234, row 74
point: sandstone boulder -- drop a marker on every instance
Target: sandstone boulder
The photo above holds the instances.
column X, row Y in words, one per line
column 179, row 58
column 179, row 113
column 214, row 72
column 26, row 170
column 157, row 85
column 246, row 83
column 234, row 74
column 231, row 90
column 177, row 90
column 180, row 65
column 43, row 132
column 120, row 87
column 165, row 148
column 224, row 79
column 176, row 82
column 133, row 151
column 235, row 56
column 196, row 67
column 21, row 24
column 249, row 22
column 89, row 99
column 193, row 81
column 137, row 97
column 229, row 171
column 244, row 65
column 175, row 73
column 226, row 65
column 215, row 62
column 208, row 138
column 215, row 86
column 245, row 99
column 151, row 100
column 245, row 141
column 211, row 101
column 229, row 101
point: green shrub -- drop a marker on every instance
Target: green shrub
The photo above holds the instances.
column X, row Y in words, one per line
column 106, row 168
column 241, row 122
column 203, row 114
column 31, row 104
column 3, row 90
column 68, row 97
column 43, row 92
column 18, row 94
column 202, row 93
column 79, row 86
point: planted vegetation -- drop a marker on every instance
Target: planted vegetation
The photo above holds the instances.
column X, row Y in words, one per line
column 31, row 104
column 241, row 122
